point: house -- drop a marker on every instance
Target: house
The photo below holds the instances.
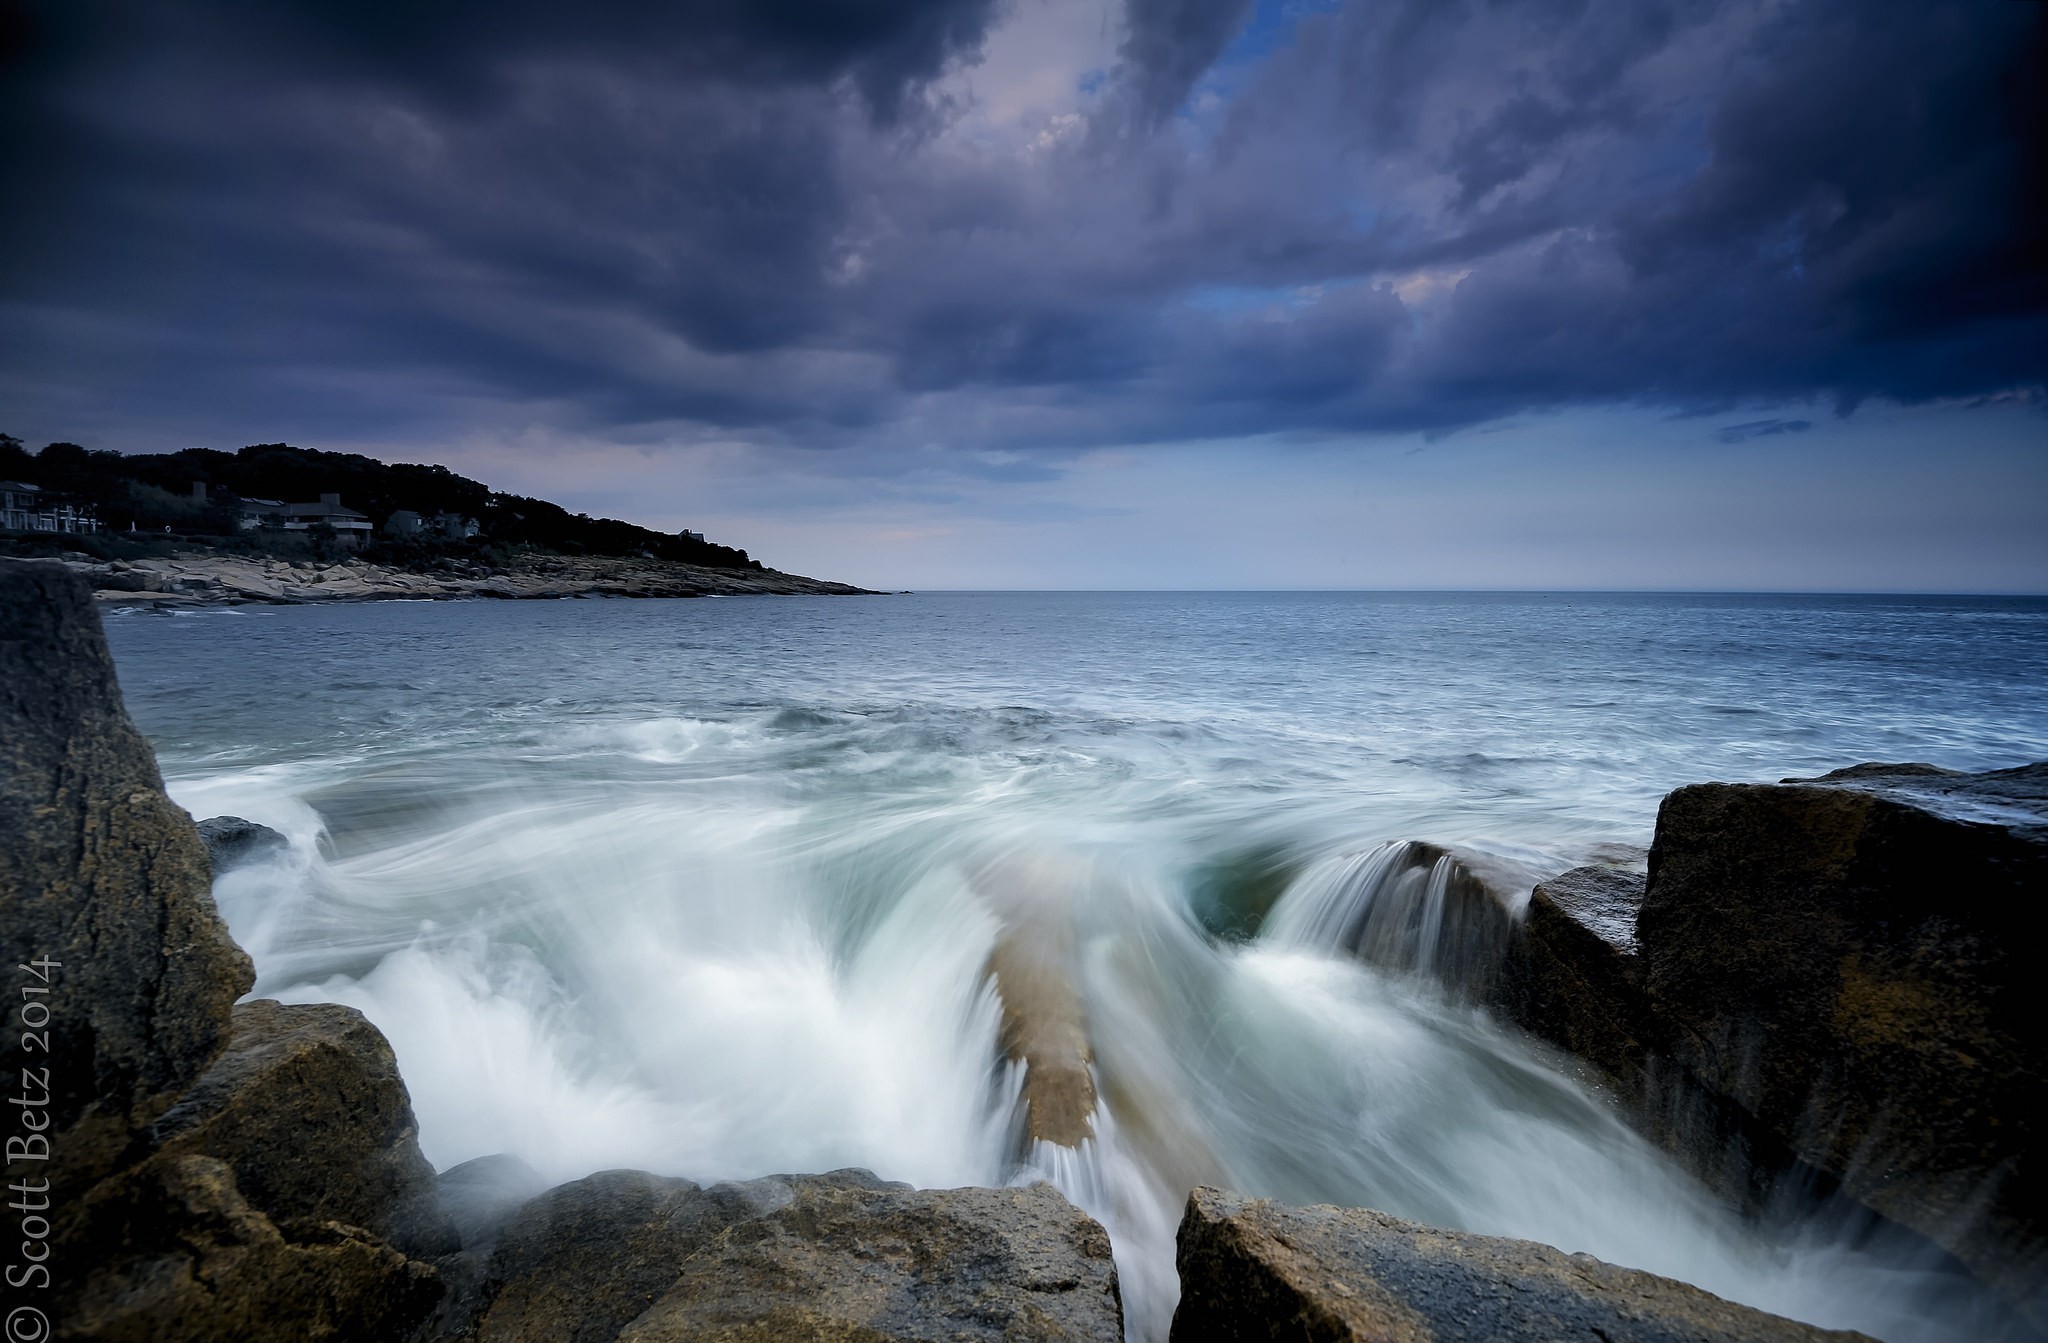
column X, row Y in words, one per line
column 262, row 513
column 350, row 527
column 26, row 508
column 402, row 524
column 453, row 526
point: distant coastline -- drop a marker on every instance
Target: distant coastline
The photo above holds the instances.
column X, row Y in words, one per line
column 189, row 579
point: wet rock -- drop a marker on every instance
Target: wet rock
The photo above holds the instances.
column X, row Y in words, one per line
column 1851, row 960
column 103, row 880
column 1035, row 970
column 842, row 1256
column 307, row 1107
column 1260, row 1270
column 481, row 1196
column 180, row 1256
column 1575, row 977
column 232, row 842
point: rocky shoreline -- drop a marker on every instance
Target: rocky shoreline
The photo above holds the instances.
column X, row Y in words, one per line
column 203, row 580
column 1824, row 975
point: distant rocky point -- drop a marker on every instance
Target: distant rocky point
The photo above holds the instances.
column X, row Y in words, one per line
column 201, row 579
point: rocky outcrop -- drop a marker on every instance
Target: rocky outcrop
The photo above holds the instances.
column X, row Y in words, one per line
column 212, row 1171
column 1259, row 1270
column 103, row 882
column 834, row 1257
column 232, row 842
column 1829, row 977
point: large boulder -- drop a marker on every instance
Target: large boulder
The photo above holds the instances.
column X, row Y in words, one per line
column 1851, row 960
column 104, row 887
column 836, row 1257
column 1827, row 978
column 1253, row 1269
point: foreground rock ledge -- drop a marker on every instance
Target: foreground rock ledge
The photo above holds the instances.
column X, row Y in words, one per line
column 1253, row 1269
column 844, row 1258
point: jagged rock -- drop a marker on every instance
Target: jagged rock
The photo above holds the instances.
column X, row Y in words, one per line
column 1260, row 1270
column 307, row 1107
column 232, row 842
column 101, row 875
column 1851, row 960
column 178, row 1255
column 842, row 1256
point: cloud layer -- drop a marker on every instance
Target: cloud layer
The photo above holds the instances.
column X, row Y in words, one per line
column 889, row 225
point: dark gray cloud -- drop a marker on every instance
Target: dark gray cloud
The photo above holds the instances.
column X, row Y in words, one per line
column 1748, row 429
column 779, row 221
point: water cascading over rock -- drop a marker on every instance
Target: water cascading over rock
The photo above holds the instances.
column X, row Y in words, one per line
column 1408, row 906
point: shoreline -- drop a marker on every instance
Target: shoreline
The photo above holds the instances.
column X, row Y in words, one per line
column 190, row 581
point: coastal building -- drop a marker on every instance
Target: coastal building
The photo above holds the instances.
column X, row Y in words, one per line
column 350, row 527
column 454, row 527
column 259, row 513
column 403, row 524
column 26, row 508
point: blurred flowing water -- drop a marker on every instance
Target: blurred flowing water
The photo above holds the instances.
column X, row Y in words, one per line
column 703, row 886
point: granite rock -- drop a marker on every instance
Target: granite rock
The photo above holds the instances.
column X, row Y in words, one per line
column 1253, row 1269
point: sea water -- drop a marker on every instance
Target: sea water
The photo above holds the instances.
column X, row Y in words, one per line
column 704, row 886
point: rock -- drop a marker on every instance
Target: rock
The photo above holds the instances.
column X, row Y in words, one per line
column 1852, row 961
column 103, row 881
column 232, row 842
column 1260, row 1270
column 842, row 1256
column 307, row 1107
column 1574, row 976
column 181, row 1257
column 481, row 1196
column 1035, row 971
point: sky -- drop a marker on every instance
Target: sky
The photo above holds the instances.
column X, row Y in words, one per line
column 1719, row 294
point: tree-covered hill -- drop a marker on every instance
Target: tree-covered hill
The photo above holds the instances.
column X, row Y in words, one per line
column 154, row 492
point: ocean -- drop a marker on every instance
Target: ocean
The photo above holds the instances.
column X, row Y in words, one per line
column 705, row 887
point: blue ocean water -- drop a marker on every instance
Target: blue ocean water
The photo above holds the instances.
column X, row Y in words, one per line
column 703, row 886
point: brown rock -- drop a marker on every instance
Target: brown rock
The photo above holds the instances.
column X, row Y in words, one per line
column 1260, row 1270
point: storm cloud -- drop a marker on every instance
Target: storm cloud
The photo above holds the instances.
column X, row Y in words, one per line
column 885, row 225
